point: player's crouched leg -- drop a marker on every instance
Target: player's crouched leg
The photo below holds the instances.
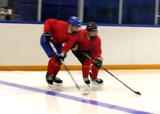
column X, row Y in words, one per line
column 53, row 69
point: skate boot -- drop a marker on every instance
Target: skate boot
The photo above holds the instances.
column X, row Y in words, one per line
column 49, row 78
column 57, row 80
column 86, row 81
column 52, row 79
column 97, row 80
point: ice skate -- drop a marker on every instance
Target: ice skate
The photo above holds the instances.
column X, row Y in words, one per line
column 86, row 81
column 53, row 81
column 96, row 81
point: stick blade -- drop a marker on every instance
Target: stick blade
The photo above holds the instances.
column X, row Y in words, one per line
column 137, row 92
column 85, row 90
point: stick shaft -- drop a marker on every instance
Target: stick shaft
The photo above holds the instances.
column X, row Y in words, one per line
column 117, row 79
column 112, row 75
column 66, row 68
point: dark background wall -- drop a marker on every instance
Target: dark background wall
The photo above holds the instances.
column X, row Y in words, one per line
column 101, row 11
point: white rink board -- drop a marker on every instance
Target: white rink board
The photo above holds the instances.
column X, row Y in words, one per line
column 20, row 45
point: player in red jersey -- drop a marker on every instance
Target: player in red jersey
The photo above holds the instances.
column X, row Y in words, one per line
column 89, row 43
column 57, row 33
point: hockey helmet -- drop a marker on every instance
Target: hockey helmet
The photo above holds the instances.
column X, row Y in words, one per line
column 91, row 27
column 75, row 21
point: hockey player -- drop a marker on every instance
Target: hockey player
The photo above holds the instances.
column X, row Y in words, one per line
column 62, row 36
column 89, row 43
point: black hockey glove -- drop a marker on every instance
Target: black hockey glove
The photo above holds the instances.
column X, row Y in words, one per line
column 61, row 57
column 48, row 37
column 98, row 62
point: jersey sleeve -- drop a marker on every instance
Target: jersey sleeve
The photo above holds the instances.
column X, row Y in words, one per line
column 68, row 44
column 48, row 26
column 96, row 51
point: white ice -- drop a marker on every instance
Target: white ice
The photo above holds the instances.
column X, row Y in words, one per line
column 18, row 100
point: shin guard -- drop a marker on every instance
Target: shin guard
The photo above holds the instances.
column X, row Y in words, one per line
column 53, row 66
column 95, row 71
column 86, row 67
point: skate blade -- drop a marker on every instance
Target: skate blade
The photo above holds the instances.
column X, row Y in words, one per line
column 57, row 84
column 50, row 86
column 54, row 86
column 96, row 85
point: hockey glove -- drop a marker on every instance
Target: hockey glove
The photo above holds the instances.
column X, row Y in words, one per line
column 75, row 47
column 48, row 37
column 61, row 57
column 98, row 62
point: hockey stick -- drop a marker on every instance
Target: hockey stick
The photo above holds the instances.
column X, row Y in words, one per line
column 85, row 91
column 136, row 92
column 66, row 68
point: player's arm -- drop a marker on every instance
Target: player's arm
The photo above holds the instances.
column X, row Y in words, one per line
column 67, row 46
column 48, row 26
column 96, row 54
column 70, row 43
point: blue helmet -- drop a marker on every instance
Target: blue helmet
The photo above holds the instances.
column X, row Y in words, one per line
column 75, row 21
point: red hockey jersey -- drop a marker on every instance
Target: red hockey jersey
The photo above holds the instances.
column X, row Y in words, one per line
column 58, row 29
column 93, row 45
